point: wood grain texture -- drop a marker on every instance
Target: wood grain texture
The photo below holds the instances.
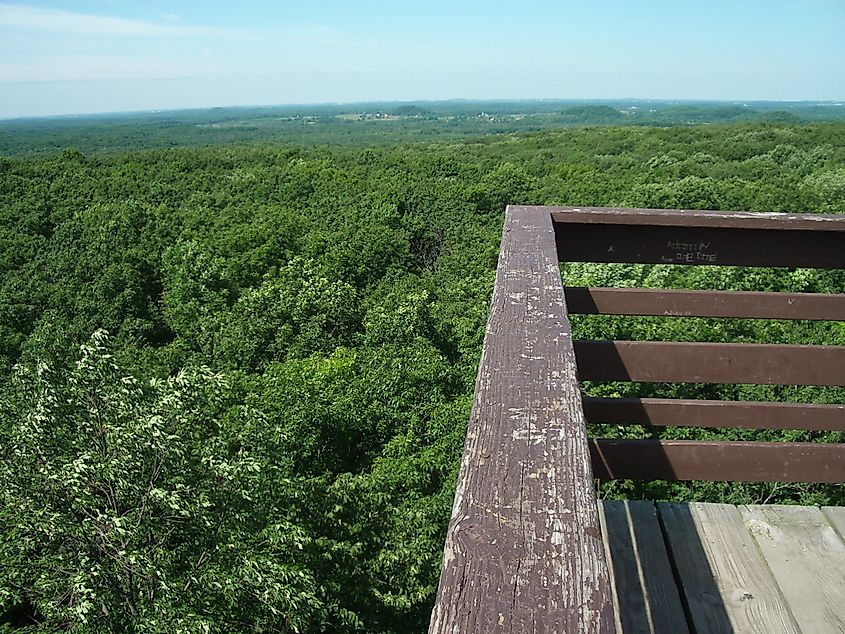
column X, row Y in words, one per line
column 836, row 516
column 703, row 246
column 523, row 551
column 661, row 236
column 701, row 413
column 645, row 596
column 674, row 361
column 807, row 558
column 718, row 460
column 660, row 302
column 697, row 218
column 726, row 583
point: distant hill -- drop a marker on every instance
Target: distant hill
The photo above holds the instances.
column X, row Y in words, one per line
column 409, row 110
column 592, row 114
column 705, row 113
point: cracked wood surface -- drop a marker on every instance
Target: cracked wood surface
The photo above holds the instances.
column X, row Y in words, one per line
column 806, row 555
column 524, row 551
column 725, row 581
column 760, row 568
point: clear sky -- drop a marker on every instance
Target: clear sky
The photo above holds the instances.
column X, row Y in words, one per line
column 84, row 56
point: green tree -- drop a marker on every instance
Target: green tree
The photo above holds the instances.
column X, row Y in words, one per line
column 129, row 506
column 297, row 312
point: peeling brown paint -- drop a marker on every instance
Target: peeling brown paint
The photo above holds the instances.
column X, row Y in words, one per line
column 524, row 552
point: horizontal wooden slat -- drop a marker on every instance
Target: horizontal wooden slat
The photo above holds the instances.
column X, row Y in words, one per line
column 666, row 412
column 683, row 362
column 681, row 218
column 646, row 244
column 709, row 460
column 683, row 303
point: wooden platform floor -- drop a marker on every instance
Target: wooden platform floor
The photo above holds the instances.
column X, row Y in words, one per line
column 705, row 568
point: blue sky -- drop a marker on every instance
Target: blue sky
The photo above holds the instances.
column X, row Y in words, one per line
column 83, row 56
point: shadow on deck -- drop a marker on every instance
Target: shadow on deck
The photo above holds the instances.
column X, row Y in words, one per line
column 721, row 568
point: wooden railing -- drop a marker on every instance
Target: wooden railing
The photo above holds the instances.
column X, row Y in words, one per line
column 709, row 238
column 523, row 551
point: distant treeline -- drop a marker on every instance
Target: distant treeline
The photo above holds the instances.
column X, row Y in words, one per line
column 399, row 122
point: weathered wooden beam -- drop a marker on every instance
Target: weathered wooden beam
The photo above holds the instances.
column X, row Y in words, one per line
column 817, row 223
column 684, row 303
column 712, row 460
column 588, row 234
column 684, row 362
column 669, row 412
column 718, row 246
column 523, row 551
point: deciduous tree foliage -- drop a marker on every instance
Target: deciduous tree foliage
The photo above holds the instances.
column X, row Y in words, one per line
column 268, row 437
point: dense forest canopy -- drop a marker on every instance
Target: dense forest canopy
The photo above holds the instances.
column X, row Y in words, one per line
column 235, row 379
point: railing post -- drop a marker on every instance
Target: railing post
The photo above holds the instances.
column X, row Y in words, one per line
column 524, row 551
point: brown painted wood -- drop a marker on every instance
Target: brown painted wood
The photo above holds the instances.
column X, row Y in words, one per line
column 700, row 245
column 593, row 234
column 523, row 551
column 644, row 592
column 819, row 223
column 683, row 303
column 683, row 362
column 710, row 460
column 665, row 412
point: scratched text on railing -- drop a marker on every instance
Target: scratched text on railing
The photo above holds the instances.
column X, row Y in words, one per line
column 689, row 252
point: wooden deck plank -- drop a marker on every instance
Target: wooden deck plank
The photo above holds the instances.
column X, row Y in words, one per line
column 807, row 558
column 836, row 517
column 726, row 583
column 645, row 596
